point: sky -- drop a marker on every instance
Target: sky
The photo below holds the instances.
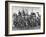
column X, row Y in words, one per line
column 16, row 9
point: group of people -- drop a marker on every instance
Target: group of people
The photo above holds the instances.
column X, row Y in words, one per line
column 25, row 21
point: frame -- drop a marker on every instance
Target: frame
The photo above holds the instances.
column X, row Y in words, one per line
column 34, row 7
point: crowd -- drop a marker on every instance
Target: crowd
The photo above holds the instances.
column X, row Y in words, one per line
column 25, row 21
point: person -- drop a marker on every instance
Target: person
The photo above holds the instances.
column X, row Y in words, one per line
column 19, row 13
column 15, row 19
column 33, row 19
column 38, row 18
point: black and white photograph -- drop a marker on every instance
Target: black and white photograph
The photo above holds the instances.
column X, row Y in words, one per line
column 24, row 18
